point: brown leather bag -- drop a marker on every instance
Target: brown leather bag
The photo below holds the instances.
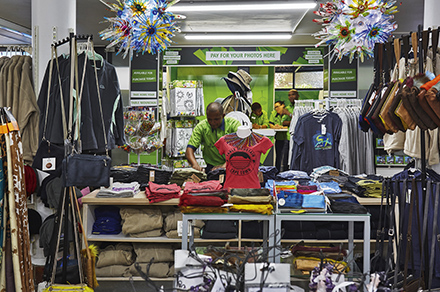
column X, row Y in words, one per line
column 402, row 112
column 383, row 114
column 423, row 101
column 433, row 101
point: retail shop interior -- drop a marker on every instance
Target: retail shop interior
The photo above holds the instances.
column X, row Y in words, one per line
column 153, row 145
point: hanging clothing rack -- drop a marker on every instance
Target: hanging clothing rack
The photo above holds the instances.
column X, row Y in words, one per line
column 10, row 50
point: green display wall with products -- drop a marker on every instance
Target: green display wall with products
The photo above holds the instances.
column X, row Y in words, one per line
column 283, row 94
column 214, row 86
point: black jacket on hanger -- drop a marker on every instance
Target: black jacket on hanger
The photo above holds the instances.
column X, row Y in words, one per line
column 91, row 127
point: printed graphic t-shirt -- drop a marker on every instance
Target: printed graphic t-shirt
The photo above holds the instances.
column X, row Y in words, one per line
column 242, row 160
column 316, row 141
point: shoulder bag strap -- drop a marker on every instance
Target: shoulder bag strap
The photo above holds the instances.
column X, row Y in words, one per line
column 391, row 226
column 52, row 53
column 408, row 237
column 419, row 227
column 435, row 33
column 389, row 53
column 99, row 99
column 397, row 50
column 434, row 233
column 73, row 64
column 401, row 193
column 80, row 89
column 425, row 42
column 426, row 210
column 59, row 225
column 63, row 110
column 415, row 44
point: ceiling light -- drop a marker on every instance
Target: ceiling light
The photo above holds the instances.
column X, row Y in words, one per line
column 238, row 36
column 241, row 7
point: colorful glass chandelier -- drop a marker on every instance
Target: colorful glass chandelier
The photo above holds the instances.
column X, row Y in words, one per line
column 353, row 27
column 141, row 25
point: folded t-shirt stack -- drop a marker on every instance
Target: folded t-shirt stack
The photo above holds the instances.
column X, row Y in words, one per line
column 251, row 200
column 304, row 189
column 142, row 222
column 141, row 174
column 215, row 229
column 107, row 220
column 181, row 175
column 154, row 174
column 269, row 172
column 161, row 192
column 161, row 254
column 211, row 185
column 119, row 190
column 170, row 224
column 204, row 202
column 115, row 260
column 217, row 174
column 373, row 188
column 298, row 175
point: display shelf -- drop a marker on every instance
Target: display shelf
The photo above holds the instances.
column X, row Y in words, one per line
column 368, row 201
column 268, row 227
column 140, row 199
column 350, row 218
column 312, row 241
column 124, row 238
column 134, row 279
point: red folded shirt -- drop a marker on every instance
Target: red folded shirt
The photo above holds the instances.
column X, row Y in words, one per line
column 159, row 193
column 210, row 185
column 208, row 201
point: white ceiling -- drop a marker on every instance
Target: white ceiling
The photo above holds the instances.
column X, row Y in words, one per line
column 16, row 14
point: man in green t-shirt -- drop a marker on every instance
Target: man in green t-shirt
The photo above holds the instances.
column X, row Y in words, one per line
column 288, row 110
column 206, row 133
column 259, row 117
column 276, row 120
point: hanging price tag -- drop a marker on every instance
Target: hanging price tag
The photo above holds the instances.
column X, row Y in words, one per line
column 152, row 175
column 323, row 129
column 260, row 177
column 195, row 178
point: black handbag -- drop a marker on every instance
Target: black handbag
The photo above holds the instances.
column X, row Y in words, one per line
column 87, row 169
column 49, row 155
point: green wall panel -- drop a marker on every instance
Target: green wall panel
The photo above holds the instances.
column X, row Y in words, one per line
column 214, row 86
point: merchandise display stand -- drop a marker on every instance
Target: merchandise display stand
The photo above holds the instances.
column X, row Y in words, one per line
column 268, row 227
column 350, row 218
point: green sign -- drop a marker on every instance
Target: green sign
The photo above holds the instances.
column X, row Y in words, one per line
column 143, row 76
column 343, row 75
column 243, row 56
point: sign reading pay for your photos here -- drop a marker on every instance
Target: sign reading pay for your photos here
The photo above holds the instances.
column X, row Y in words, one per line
column 243, row 56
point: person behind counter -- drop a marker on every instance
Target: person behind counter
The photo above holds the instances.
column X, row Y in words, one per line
column 276, row 121
column 258, row 117
column 288, row 110
column 206, row 133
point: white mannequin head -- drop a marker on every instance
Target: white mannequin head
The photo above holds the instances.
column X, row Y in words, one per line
column 243, row 131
